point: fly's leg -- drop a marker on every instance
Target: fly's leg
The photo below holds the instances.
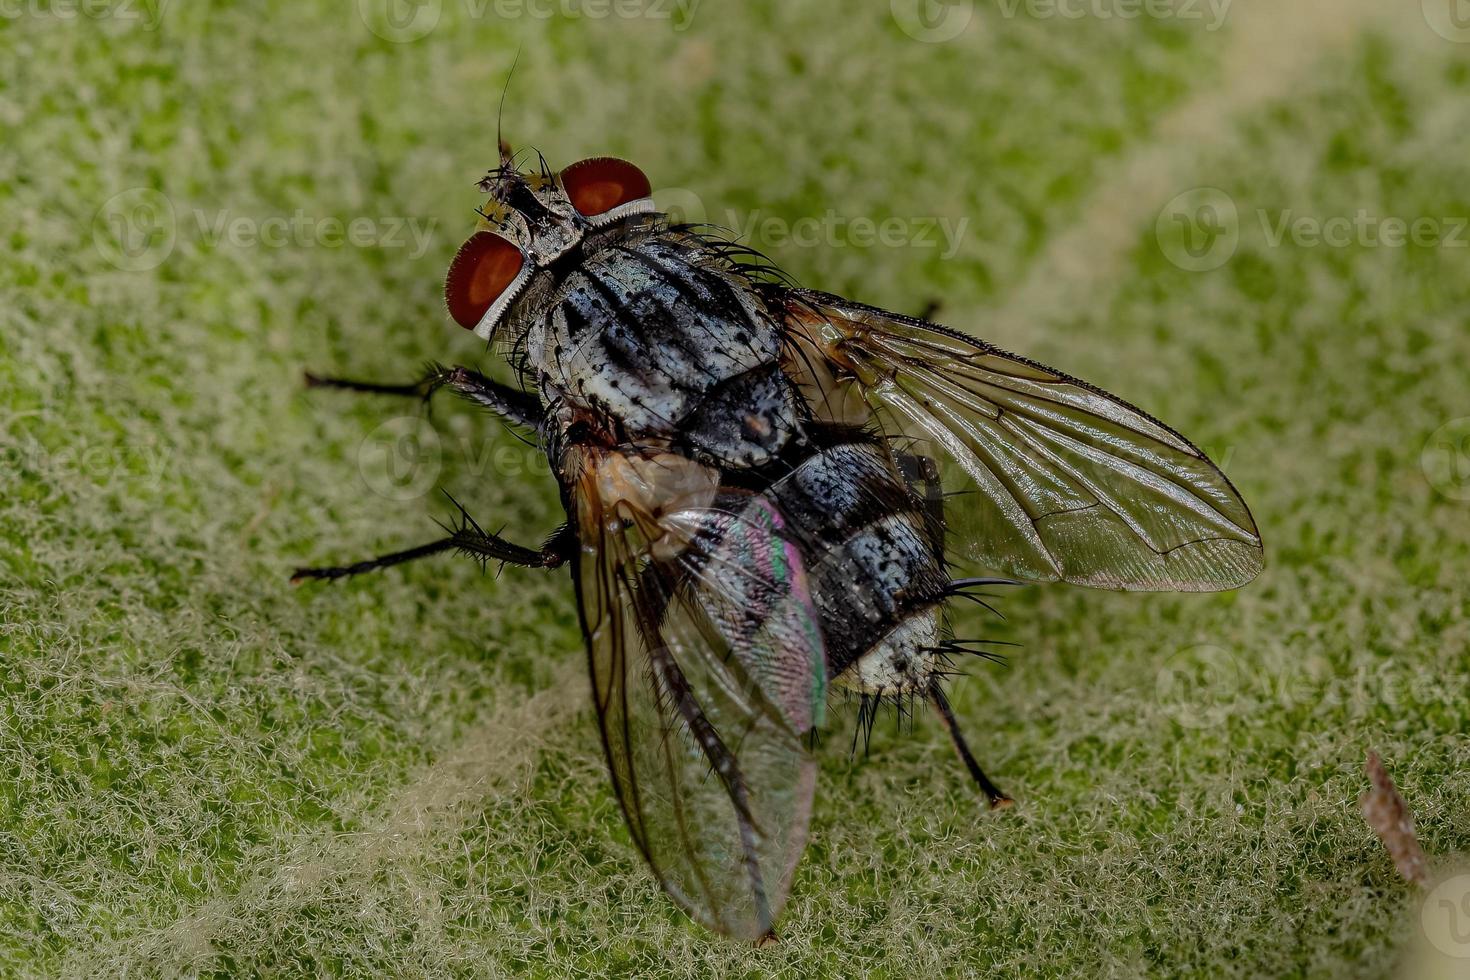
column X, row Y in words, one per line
column 997, row 799
column 467, row 538
column 423, row 388
column 508, row 402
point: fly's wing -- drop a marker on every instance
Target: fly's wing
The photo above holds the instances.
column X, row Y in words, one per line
column 707, row 672
column 1047, row 478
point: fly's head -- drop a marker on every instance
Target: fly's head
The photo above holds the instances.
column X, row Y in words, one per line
column 532, row 219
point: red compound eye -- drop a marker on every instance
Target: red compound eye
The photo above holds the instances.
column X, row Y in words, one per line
column 598, row 185
column 484, row 269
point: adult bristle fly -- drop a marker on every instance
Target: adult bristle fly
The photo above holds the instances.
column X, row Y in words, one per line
column 765, row 489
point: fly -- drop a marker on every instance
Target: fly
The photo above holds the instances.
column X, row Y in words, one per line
column 772, row 494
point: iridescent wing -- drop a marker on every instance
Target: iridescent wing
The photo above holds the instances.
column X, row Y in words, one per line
column 707, row 673
column 1047, row 478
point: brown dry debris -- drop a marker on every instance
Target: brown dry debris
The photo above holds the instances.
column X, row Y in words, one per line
column 1389, row 816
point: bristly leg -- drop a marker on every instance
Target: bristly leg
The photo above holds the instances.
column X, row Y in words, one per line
column 466, row 537
column 433, row 378
column 941, row 705
column 508, row 402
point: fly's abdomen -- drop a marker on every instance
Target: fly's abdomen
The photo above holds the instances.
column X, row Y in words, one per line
column 875, row 564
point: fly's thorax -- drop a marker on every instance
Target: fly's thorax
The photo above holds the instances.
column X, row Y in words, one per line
column 660, row 338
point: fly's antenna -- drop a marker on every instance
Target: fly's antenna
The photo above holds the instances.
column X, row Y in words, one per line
column 506, row 156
